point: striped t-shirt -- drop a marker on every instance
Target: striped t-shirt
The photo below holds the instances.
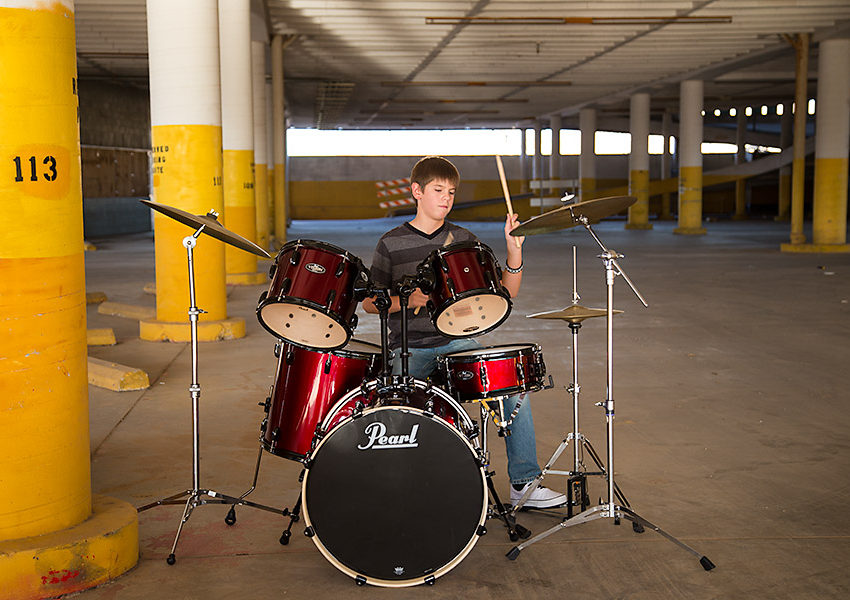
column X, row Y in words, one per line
column 398, row 253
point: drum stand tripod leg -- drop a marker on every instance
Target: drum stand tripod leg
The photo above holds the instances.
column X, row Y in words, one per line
column 294, row 515
column 498, row 510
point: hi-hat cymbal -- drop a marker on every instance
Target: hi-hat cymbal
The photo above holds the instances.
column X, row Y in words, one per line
column 575, row 313
column 212, row 227
column 568, row 216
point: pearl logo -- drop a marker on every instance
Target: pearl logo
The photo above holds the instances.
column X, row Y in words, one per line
column 314, row 268
column 379, row 440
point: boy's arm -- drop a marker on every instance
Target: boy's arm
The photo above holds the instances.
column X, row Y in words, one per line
column 512, row 281
column 382, row 277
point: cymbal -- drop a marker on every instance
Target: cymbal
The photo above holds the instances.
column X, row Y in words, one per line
column 575, row 313
column 212, row 227
column 568, row 216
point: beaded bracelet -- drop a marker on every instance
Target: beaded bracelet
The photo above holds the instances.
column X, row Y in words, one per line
column 510, row 269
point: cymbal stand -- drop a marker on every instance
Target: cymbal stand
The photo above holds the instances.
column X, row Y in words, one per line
column 198, row 496
column 577, row 478
column 610, row 509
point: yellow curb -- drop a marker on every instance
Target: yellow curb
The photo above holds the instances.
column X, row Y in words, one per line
column 689, row 230
column 246, row 278
column 208, row 331
column 100, row 337
column 118, row 378
column 99, row 549
column 150, row 288
column 816, row 248
column 128, row 311
column 95, row 297
column 88, row 246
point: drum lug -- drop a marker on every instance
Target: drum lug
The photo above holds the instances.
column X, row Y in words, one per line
column 310, row 533
column 327, row 368
column 443, row 264
column 263, row 425
column 272, row 270
column 451, row 285
column 430, row 580
column 482, row 376
column 263, row 296
column 294, row 258
column 520, row 373
column 285, row 285
column 352, row 323
column 331, row 298
column 340, row 269
column 360, row 580
column 277, row 348
column 289, row 356
column 482, row 530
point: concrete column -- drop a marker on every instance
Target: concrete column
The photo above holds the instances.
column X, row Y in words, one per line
column 784, row 209
column 537, row 161
column 555, row 157
column 523, row 162
column 587, row 160
column 639, row 162
column 279, row 128
column 261, row 178
column 690, row 158
column 49, row 521
column 740, row 158
column 798, row 167
column 186, row 136
column 666, row 162
column 270, row 158
column 829, row 218
column 237, row 137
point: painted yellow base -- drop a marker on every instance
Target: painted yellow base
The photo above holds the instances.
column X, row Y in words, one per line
column 816, row 248
column 643, row 226
column 100, row 337
column 88, row 246
column 208, row 331
column 246, row 278
column 689, row 230
column 115, row 377
column 99, row 549
column 150, row 288
column 128, row 311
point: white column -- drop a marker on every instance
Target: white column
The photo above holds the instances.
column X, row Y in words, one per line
column 666, row 161
column 832, row 138
column 555, row 157
column 261, row 179
column 690, row 158
column 523, row 161
column 587, row 160
column 639, row 162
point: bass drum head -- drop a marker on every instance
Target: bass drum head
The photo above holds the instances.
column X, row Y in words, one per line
column 394, row 496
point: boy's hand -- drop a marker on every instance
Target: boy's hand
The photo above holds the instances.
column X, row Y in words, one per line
column 511, row 223
column 417, row 299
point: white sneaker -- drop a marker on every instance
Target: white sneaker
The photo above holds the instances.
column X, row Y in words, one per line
column 541, row 497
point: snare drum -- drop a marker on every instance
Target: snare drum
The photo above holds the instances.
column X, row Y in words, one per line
column 307, row 384
column 467, row 297
column 493, row 371
column 311, row 299
column 373, row 481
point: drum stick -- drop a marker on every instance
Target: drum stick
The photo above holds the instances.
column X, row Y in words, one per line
column 449, row 239
column 506, row 192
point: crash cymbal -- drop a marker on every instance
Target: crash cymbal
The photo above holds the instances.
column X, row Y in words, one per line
column 568, row 216
column 212, row 227
column 575, row 313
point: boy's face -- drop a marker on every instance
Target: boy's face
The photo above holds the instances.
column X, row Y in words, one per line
column 435, row 200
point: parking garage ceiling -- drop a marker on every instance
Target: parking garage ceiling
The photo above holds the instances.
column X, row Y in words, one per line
column 370, row 64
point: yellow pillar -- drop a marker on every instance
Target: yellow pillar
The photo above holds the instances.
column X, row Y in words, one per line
column 639, row 162
column 261, row 192
column 279, row 126
column 829, row 216
column 187, row 161
column 587, row 159
column 784, row 208
column 237, row 134
column 798, row 167
column 270, row 160
column 48, row 518
column 689, row 148
column 666, row 162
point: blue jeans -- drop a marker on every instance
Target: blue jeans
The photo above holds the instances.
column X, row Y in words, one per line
column 520, row 445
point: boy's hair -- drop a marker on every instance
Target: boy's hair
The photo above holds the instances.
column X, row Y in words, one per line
column 434, row 167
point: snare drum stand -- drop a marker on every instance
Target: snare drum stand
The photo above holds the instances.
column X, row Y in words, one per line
column 610, row 509
column 197, row 496
column 496, row 509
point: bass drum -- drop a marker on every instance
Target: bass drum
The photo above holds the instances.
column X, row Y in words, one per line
column 395, row 494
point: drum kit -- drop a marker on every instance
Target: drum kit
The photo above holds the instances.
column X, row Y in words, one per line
column 379, row 452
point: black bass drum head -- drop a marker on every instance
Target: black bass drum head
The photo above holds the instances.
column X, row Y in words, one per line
column 394, row 497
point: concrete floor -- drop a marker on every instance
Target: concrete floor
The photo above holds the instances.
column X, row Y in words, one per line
column 732, row 426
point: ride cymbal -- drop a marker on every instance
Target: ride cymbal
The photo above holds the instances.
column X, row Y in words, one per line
column 569, row 215
column 212, row 227
column 575, row 313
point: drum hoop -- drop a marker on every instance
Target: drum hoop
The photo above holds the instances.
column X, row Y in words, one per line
column 419, row 579
column 347, row 353
column 523, row 349
column 332, row 249
column 467, row 245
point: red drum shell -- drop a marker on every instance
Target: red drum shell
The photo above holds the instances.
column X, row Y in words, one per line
column 307, row 384
column 493, row 371
column 467, row 298
column 310, row 301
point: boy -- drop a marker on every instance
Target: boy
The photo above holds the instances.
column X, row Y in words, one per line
column 433, row 183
